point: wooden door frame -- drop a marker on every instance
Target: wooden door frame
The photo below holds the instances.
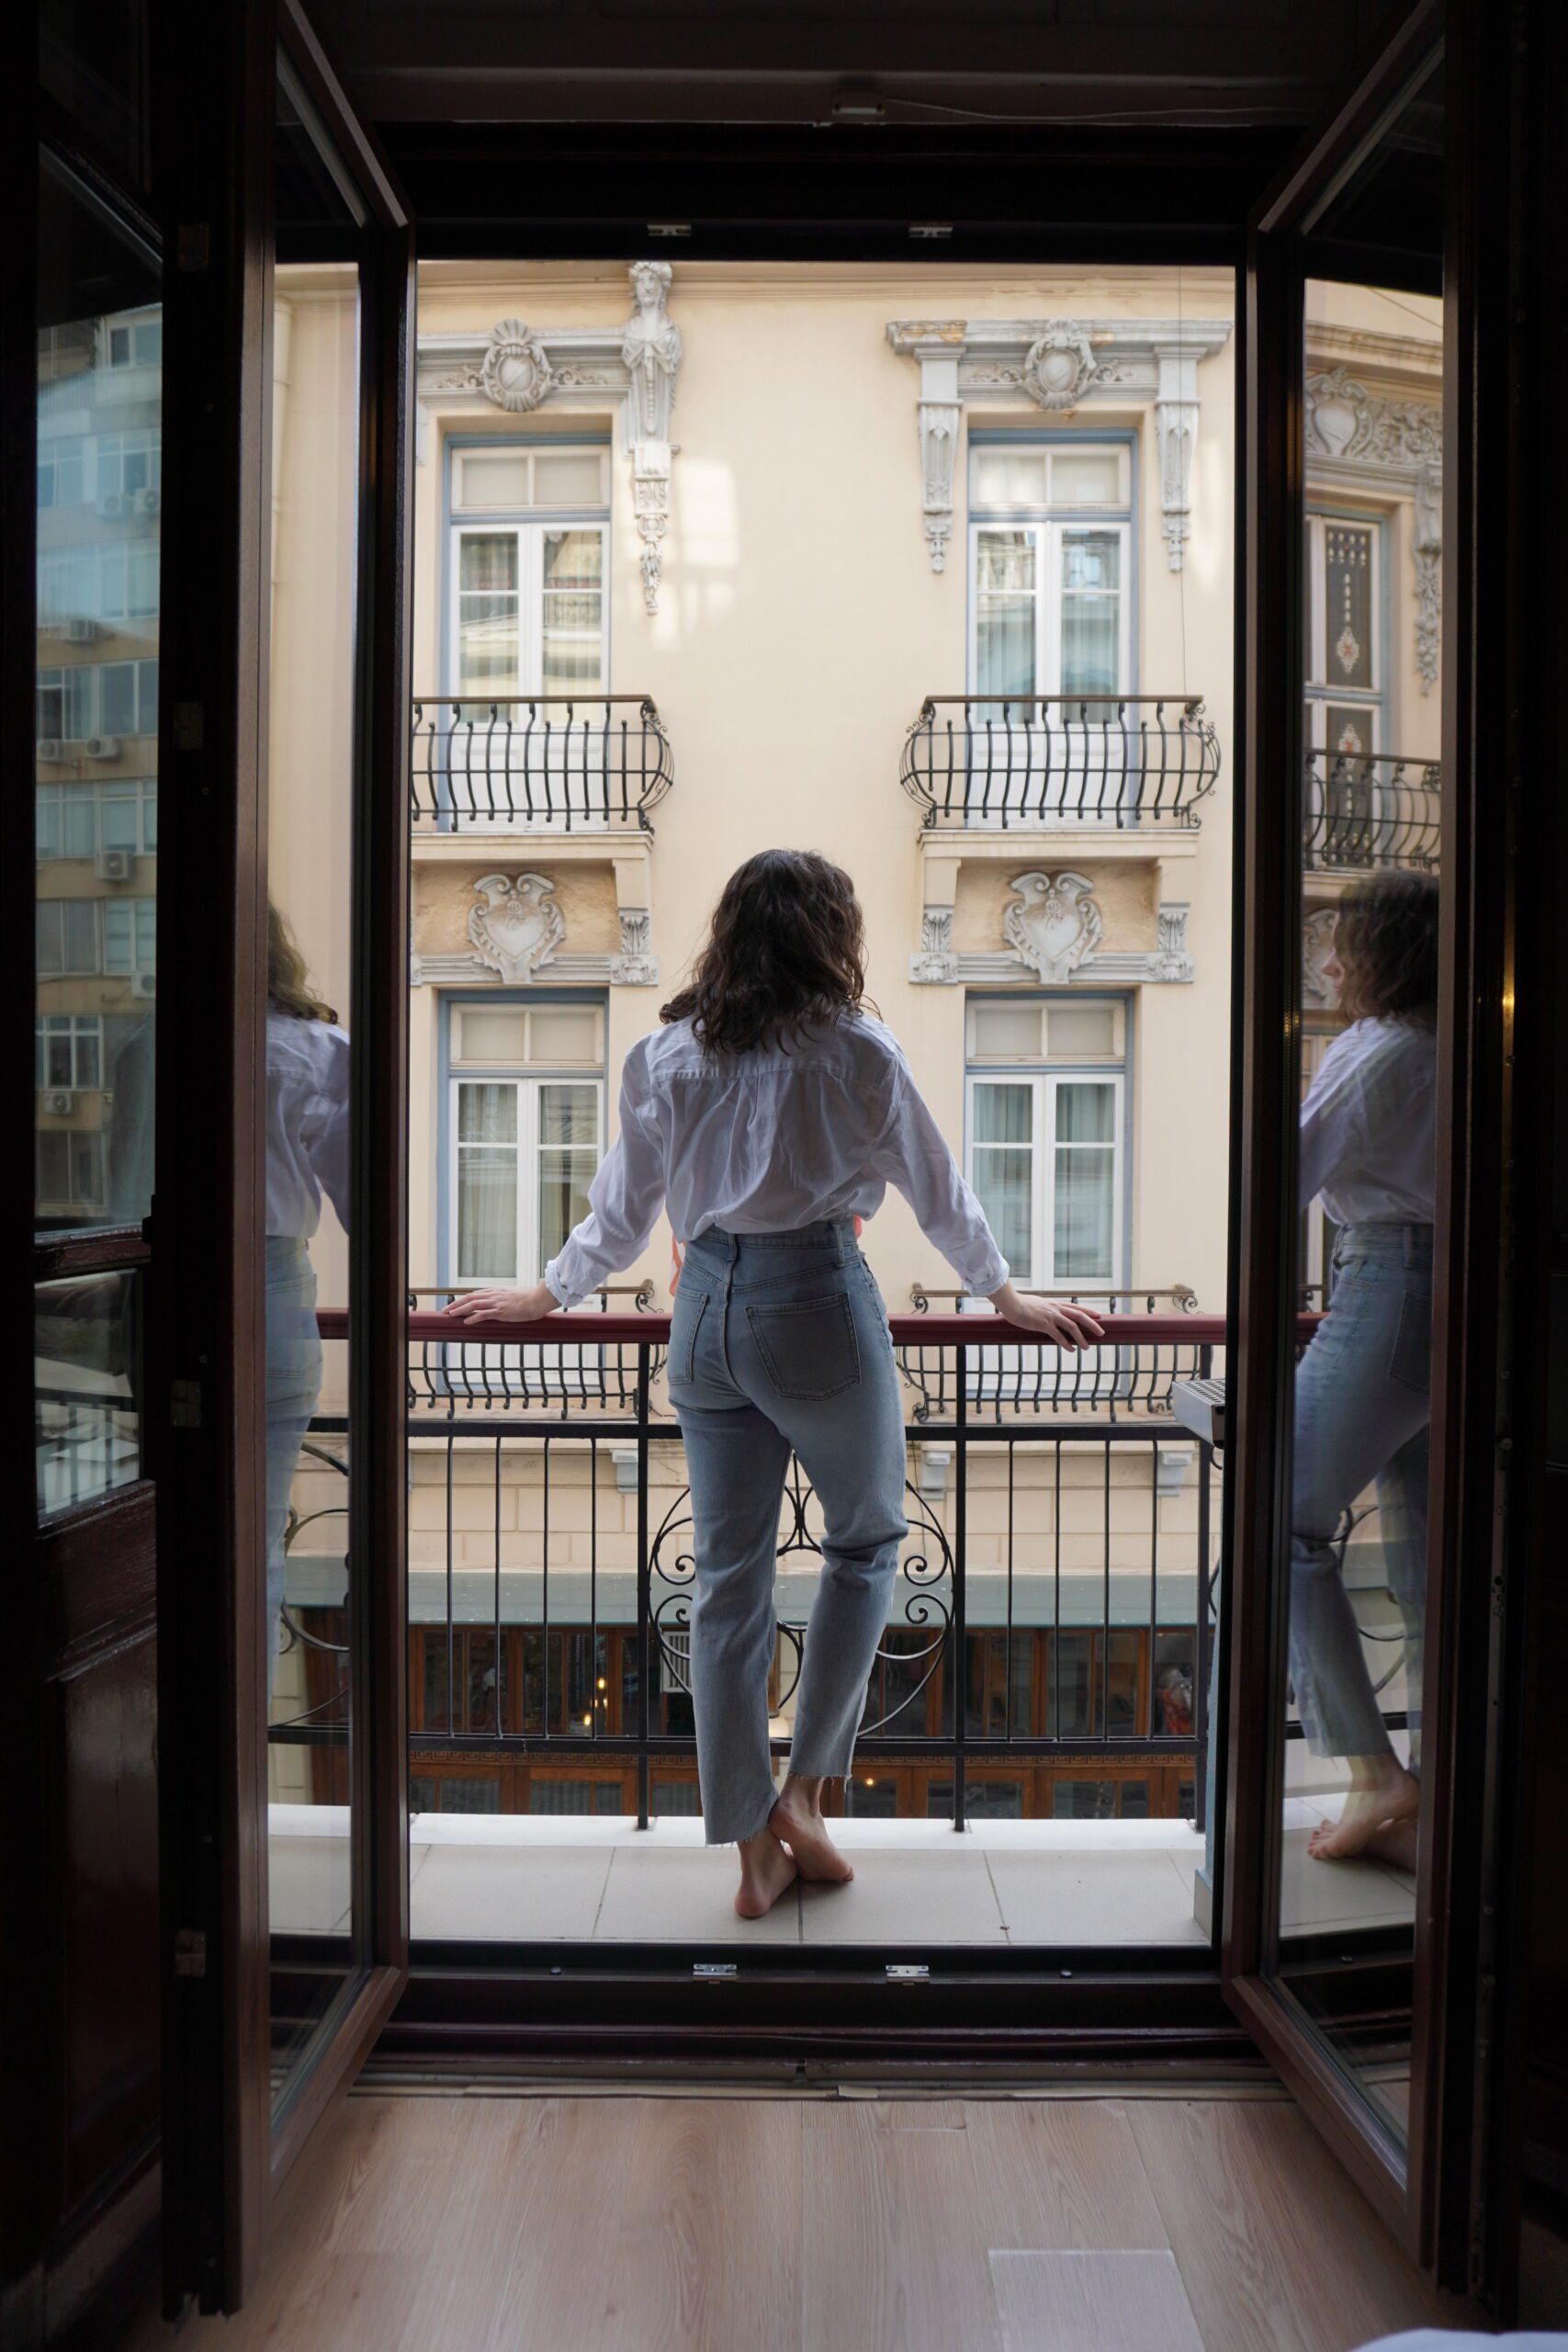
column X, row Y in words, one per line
column 215, row 79
column 1414, row 2188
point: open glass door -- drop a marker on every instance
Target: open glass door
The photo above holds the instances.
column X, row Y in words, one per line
column 281, row 1349
column 1344, row 1650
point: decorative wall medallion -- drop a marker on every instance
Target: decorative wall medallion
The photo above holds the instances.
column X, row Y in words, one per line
column 515, row 371
column 1344, row 419
column 1060, row 364
column 1318, row 946
column 1056, row 923
column 935, row 963
column 636, row 967
column 519, row 927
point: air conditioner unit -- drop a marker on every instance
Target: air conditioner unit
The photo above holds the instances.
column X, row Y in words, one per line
column 102, row 747
column 79, row 630
column 50, row 749
column 111, row 505
column 144, row 984
column 60, row 1101
column 147, row 502
column 113, row 864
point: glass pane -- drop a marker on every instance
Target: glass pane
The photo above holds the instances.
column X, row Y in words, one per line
column 1352, row 1560
column 1083, row 1801
column 568, row 478
column 1089, row 1030
column 94, row 60
column 681, row 1797
column 1085, row 1216
column 98, row 629
column 1004, row 1183
column 487, row 1113
column 1086, row 1114
column 1004, row 477
column 487, row 640
column 1092, row 613
column 574, row 618
column 484, row 1036
column 1087, row 477
column 1007, row 1032
column 872, row 1797
column 86, row 1387
column 313, row 740
column 564, row 1179
column 568, row 1114
column 1004, row 1114
column 487, row 1213
column 564, row 1033
column 493, row 478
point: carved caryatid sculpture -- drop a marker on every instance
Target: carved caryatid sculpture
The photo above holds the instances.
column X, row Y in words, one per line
column 650, row 347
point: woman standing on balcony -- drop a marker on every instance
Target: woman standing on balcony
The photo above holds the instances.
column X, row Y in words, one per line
column 770, row 1112
column 1363, row 1396
column 307, row 1155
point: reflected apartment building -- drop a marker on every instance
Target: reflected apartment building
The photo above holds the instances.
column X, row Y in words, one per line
column 933, row 573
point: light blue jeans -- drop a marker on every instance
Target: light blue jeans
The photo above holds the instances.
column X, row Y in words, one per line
column 1363, row 1405
column 779, row 1344
column 293, row 1386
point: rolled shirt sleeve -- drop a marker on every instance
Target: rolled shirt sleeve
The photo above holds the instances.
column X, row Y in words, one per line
column 624, row 1199
column 914, row 1156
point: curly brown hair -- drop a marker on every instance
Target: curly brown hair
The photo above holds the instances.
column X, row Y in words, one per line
column 785, row 951
column 289, row 988
column 1387, row 940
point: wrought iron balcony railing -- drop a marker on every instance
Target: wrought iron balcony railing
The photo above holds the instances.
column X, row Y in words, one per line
column 1044, row 761
column 1048, row 1637
column 528, row 763
column 1367, row 811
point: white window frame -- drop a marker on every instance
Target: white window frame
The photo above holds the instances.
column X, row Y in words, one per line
column 58, row 797
column 1045, row 1085
column 530, row 533
column 527, row 1085
column 1320, row 690
column 1050, row 536
column 75, row 1029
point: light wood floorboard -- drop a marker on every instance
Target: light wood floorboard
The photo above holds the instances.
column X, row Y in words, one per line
column 607, row 2224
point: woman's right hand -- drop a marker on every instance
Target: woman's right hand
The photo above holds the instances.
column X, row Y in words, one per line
column 1070, row 1326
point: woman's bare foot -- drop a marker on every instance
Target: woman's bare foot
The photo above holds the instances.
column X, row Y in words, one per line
column 1394, row 1844
column 1382, row 1796
column 797, row 1819
column 766, row 1872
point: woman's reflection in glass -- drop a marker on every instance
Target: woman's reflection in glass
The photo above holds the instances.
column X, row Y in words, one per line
column 1363, row 1386
column 307, row 1155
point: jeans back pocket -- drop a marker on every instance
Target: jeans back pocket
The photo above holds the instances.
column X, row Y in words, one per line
column 808, row 1347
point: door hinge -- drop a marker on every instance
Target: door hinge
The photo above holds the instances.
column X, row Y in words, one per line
column 190, row 1951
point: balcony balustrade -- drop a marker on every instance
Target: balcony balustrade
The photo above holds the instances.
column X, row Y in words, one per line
column 1370, row 811
column 1072, row 761
column 537, row 762
column 1048, row 1638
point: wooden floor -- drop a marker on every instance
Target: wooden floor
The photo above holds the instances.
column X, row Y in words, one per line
column 749, row 2224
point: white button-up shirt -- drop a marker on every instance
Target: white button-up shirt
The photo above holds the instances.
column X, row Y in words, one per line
column 767, row 1142
column 307, row 1124
column 1368, row 1126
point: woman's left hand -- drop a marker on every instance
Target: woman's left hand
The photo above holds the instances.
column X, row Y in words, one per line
column 504, row 1305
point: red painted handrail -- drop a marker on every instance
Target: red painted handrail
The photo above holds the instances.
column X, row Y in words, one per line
column 930, row 1331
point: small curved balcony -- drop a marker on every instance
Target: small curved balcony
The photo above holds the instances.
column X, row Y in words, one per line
column 528, row 764
column 1371, row 812
column 1044, row 763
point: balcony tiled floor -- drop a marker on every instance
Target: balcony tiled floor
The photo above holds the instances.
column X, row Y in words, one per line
column 527, row 1879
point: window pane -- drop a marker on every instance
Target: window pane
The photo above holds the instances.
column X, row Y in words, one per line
column 564, row 1179
column 1083, row 1801
column 568, row 1114
column 680, row 1797
column 1091, row 563
column 870, row 1798
column 487, row 1113
column 1004, row 1183
column 88, row 566
column 466, row 1795
column 487, row 1213
column 1089, row 1030
column 493, row 478
column 574, row 611
column 487, row 613
column 1007, row 1032
column 1084, row 1215
column 88, row 1427
column 1086, row 1114
column 568, row 478
column 1004, row 1114
column 487, row 563
column 1006, row 477
column 564, row 1033
column 485, row 1036
column 1087, row 477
